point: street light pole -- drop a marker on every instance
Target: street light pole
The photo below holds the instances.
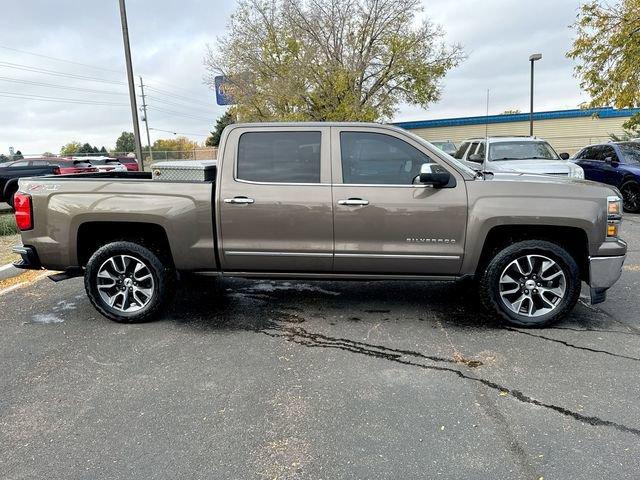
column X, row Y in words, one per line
column 132, row 87
column 533, row 58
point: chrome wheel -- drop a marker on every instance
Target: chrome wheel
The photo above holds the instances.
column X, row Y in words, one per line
column 125, row 283
column 532, row 285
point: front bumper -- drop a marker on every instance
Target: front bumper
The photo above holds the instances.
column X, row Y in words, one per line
column 603, row 273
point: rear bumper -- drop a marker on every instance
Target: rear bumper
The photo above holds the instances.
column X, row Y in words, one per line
column 603, row 273
column 29, row 258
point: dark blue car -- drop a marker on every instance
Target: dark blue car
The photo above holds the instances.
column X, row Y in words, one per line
column 617, row 164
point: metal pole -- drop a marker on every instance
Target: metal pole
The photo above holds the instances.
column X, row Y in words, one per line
column 146, row 121
column 531, row 110
column 132, row 87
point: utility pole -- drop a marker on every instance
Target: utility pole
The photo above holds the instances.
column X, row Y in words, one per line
column 132, row 87
column 146, row 121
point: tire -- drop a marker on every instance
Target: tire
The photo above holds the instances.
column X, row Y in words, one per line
column 532, row 268
column 631, row 196
column 142, row 283
column 11, row 191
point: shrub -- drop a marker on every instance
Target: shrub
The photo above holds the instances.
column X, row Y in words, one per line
column 8, row 225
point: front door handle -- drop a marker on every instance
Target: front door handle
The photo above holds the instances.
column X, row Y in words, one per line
column 240, row 200
column 353, row 201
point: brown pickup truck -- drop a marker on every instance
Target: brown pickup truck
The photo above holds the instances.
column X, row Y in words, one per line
column 325, row 201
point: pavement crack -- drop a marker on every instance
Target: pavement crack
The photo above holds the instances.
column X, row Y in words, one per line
column 571, row 345
column 596, row 330
column 301, row 336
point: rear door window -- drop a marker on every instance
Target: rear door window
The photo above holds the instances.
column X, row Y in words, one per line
column 279, row 157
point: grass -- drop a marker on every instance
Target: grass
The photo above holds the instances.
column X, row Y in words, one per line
column 7, row 225
column 6, row 243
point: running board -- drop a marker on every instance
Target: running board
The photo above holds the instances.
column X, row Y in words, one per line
column 66, row 275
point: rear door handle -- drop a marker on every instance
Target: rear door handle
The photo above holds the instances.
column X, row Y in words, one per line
column 241, row 200
column 353, row 201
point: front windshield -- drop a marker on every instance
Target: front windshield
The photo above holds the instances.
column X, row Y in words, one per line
column 630, row 152
column 457, row 163
column 521, row 151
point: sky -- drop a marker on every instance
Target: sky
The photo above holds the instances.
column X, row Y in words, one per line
column 168, row 43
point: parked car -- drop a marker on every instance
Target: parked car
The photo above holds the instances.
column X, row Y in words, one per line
column 106, row 164
column 130, row 163
column 325, row 201
column 71, row 166
column 10, row 172
column 516, row 154
column 447, row 146
column 617, row 164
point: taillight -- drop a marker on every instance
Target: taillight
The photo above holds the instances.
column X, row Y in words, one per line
column 24, row 211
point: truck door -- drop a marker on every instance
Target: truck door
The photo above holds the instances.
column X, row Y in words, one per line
column 383, row 222
column 274, row 208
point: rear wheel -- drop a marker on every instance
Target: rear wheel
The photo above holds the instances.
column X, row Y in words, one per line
column 631, row 196
column 127, row 282
column 531, row 283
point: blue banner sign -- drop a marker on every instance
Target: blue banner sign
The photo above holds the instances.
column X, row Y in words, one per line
column 222, row 96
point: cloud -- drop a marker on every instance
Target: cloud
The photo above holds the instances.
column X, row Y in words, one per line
column 168, row 39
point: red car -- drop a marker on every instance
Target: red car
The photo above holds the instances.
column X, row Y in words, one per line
column 130, row 162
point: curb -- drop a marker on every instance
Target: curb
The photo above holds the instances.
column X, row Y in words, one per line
column 9, row 271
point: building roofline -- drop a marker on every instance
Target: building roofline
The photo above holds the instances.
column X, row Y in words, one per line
column 603, row 112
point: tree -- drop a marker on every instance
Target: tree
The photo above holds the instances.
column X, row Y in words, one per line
column 181, row 147
column 226, row 119
column 126, row 143
column 512, row 111
column 607, row 47
column 3, row 158
column 86, row 148
column 103, row 150
column 70, row 148
column 18, row 155
column 330, row 59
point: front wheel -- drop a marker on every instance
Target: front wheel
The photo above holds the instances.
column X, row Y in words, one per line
column 531, row 283
column 631, row 196
column 127, row 282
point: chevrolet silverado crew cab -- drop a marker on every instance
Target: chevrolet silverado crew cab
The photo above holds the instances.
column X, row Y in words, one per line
column 325, row 201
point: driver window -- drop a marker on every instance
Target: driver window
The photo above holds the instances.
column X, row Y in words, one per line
column 377, row 158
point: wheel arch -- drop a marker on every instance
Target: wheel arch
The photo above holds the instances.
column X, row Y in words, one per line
column 573, row 239
column 95, row 234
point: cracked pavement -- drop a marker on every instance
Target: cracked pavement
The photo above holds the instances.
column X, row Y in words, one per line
column 258, row 379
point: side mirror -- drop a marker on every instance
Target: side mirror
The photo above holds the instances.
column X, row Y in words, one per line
column 434, row 175
column 564, row 156
column 611, row 161
column 476, row 157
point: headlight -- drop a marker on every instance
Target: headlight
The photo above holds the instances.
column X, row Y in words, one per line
column 614, row 215
column 577, row 172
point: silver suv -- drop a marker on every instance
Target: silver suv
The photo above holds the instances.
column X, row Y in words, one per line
column 516, row 154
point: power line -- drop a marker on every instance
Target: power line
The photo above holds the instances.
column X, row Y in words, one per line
column 175, row 104
column 179, row 133
column 174, row 95
column 173, row 112
column 59, row 99
column 54, row 85
column 60, row 59
column 56, row 73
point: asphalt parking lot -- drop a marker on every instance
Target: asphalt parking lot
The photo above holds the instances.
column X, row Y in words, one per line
column 256, row 379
